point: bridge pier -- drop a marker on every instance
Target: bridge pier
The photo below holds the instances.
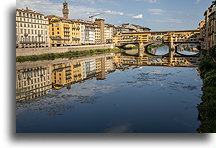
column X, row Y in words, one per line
column 141, row 49
column 171, row 49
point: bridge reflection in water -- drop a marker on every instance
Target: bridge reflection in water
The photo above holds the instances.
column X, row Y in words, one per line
column 35, row 79
column 160, row 61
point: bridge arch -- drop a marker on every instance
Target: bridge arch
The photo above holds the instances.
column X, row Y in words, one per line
column 185, row 55
column 146, row 51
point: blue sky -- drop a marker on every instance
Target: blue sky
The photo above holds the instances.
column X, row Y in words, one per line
column 155, row 14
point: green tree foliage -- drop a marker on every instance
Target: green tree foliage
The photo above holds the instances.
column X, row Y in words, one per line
column 207, row 109
column 70, row 55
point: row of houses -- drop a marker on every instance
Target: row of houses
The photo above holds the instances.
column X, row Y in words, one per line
column 208, row 28
column 34, row 29
column 38, row 78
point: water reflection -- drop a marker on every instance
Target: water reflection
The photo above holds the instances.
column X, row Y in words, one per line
column 160, row 50
column 146, row 99
column 35, row 79
column 187, row 49
column 98, row 94
column 183, row 49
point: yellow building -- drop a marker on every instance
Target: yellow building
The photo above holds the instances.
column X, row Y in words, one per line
column 98, row 65
column 76, row 71
column 117, row 39
column 64, row 32
column 202, row 26
column 66, row 73
column 61, row 74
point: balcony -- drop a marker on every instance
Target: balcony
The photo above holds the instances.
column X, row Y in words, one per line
column 32, row 42
column 67, row 31
column 66, row 39
column 75, row 39
column 55, row 37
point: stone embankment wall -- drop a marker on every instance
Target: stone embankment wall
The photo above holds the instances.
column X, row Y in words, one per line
column 45, row 50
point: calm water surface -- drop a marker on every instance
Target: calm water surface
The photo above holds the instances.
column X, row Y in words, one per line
column 140, row 100
column 165, row 49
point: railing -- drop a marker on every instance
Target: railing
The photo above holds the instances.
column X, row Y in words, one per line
column 32, row 42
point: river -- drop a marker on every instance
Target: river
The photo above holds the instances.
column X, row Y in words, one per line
column 134, row 100
column 165, row 49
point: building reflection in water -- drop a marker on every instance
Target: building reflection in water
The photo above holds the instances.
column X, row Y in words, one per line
column 35, row 79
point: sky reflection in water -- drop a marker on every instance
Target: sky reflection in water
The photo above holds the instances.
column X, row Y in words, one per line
column 142, row 100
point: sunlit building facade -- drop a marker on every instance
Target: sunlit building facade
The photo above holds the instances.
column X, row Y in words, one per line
column 32, row 29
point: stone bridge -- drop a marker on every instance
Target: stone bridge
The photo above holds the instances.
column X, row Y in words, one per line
column 143, row 48
column 173, row 58
column 172, row 39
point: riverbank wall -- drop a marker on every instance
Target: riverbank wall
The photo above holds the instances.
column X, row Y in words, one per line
column 46, row 50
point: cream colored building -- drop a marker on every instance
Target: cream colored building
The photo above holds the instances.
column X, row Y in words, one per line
column 210, row 29
column 32, row 80
column 97, row 34
column 108, row 33
column 32, row 29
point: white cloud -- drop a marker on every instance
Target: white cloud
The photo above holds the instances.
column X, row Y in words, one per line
column 114, row 12
column 48, row 7
column 149, row 1
column 139, row 16
column 156, row 11
column 42, row 6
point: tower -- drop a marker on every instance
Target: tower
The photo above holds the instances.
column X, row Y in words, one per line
column 65, row 10
column 100, row 23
